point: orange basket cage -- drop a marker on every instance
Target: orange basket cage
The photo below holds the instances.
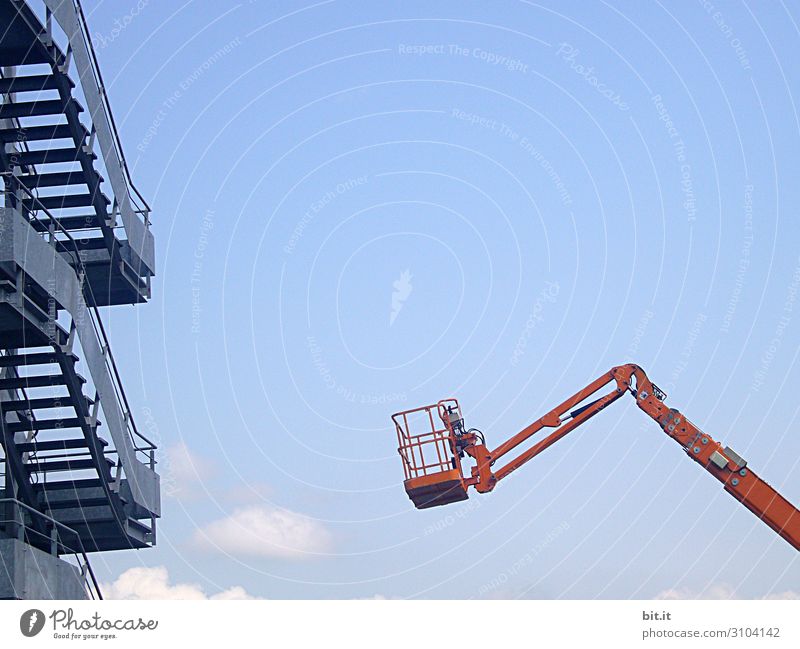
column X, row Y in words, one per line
column 426, row 444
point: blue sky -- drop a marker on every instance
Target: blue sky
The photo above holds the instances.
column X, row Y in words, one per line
column 558, row 187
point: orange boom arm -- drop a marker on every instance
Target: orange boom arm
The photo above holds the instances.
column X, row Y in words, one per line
column 439, row 479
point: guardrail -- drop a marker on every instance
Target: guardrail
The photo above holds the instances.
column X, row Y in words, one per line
column 92, row 585
column 142, row 206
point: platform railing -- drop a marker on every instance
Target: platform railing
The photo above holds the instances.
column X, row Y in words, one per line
column 55, row 540
column 426, row 452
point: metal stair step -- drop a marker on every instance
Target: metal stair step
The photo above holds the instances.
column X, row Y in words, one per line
column 74, row 502
column 31, row 133
column 68, row 485
column 30, row 83
column 75, row 519
column 27, row 53
column 20, row 382
column 44, row 424
column 76, row 464
column 37, row 108
column 42, row 402
column 55, row 444
column 82, row 222
column 83, row 244
column 31, row 358
column 59, row 202
column 58, row 179
column 47, row 156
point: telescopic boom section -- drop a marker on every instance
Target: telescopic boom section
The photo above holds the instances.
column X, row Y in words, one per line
column 723, row 463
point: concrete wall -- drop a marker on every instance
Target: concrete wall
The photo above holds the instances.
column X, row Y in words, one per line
column 29, row 573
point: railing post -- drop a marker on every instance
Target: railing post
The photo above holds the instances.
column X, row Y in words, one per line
column 117, row 483
column 48, row 23
column 54, row 541
column 64, row 68
column 88, row 147
column 21, row 288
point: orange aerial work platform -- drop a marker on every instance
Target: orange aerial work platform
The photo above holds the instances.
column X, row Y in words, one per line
column 428, row 447
column 433, row 441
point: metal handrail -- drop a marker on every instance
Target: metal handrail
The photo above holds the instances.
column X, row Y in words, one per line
column 76, row 454
column 56, row 524
column 151, row 446
column 97, row 325
column 107, row 106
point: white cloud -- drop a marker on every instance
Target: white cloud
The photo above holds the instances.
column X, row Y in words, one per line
column 237, row 592
column 718, row 591
column 263, row 531
column 183, row 469
column 153, row 583
column 787, row 594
